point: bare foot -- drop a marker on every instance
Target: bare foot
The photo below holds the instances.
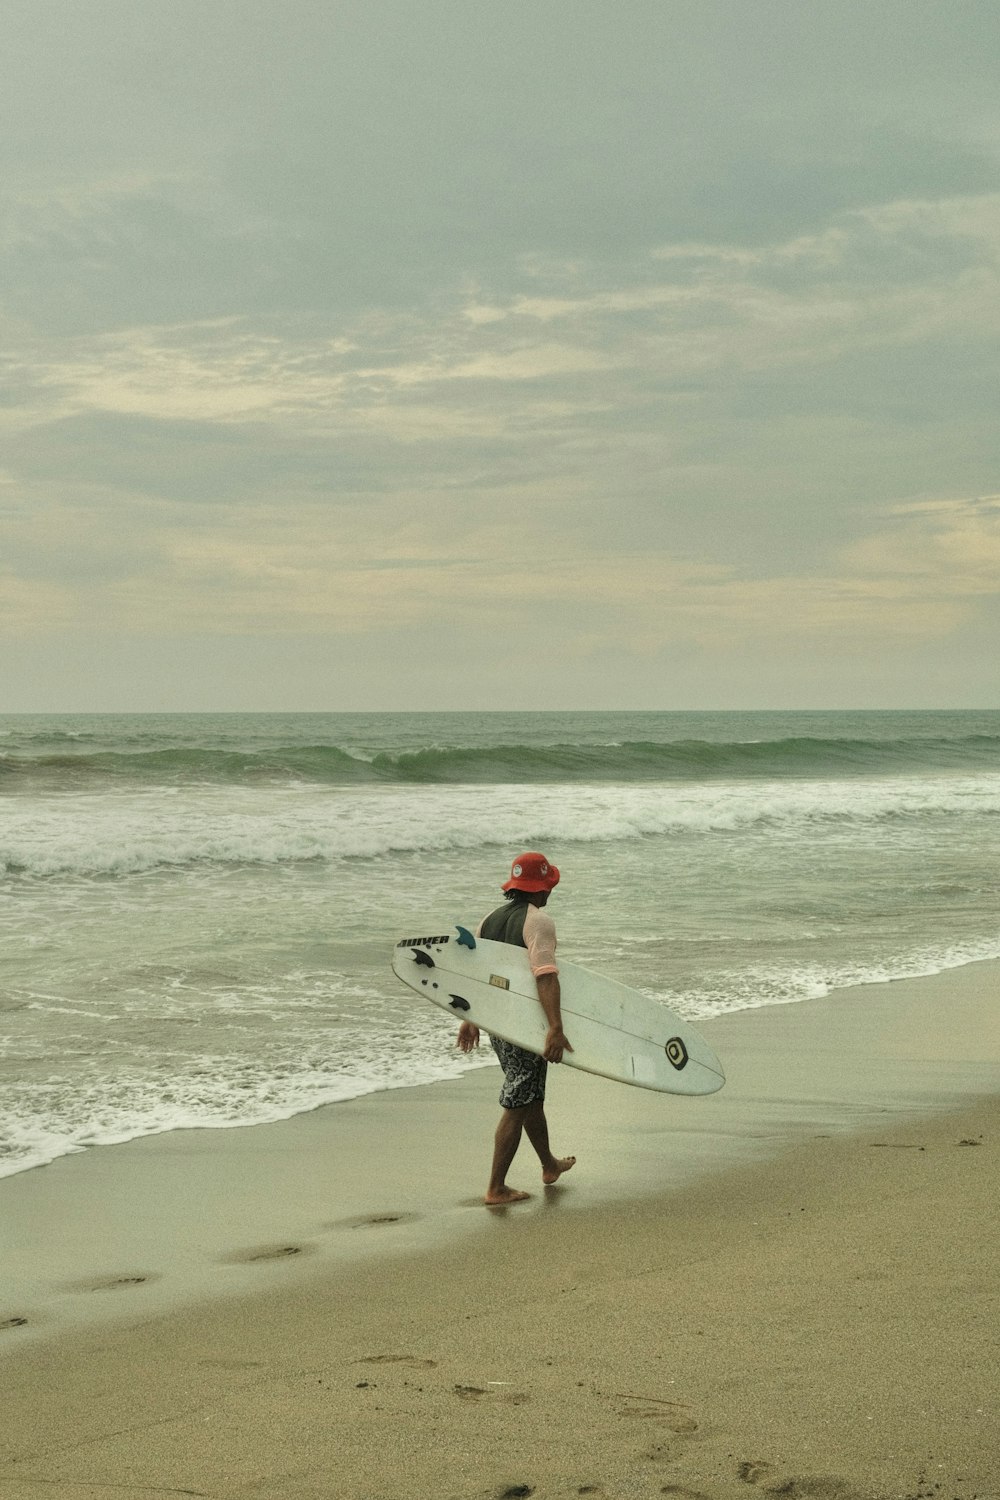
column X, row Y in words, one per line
column 553, row 1174
column 504, row 1195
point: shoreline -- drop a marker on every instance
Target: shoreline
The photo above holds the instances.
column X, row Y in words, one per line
column 700, row 1023
column 791, row 1291
column 192, row 1214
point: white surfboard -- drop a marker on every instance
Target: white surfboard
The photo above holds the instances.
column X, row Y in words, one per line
column 615, row 1031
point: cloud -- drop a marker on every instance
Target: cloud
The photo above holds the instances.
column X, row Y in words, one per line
column 132, row 249
column 937, row 545
column 367, row 475
column 317, row 571
column 899, row 276
column 679, row 335
column 30, row 607
column 895, row 282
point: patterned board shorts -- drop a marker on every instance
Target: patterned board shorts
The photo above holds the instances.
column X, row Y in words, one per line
column 523, row 1075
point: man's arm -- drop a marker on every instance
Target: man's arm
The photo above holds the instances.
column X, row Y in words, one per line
column 549, row 996
column 468, row 1033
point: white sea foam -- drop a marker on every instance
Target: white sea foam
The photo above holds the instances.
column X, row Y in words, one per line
column 760, row 985
column 69, row 1114
column 134, row 832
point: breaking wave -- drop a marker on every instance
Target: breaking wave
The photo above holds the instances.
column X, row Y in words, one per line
column 142, row 830
column 634, row 761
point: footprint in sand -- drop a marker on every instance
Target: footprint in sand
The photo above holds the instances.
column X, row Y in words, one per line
column 15, row 1322
column 821, row 1487
column 113, row 1283
column 371, row 1221
column 677, row 1422
column 232, row 1364
column 674, row 1415
column 266, row 1252
column 753, row 1470
column 660, row 1453
column 398, row 1359
column 477, row 1392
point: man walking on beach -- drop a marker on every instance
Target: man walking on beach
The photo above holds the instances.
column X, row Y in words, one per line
column 522, row 922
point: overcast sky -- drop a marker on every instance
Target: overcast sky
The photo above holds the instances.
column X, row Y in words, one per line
column 530, row 355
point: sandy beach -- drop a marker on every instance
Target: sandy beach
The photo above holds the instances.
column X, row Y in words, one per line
column 788, row 1289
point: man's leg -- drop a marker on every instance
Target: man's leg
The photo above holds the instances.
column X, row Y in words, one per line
column 505, row 1144
column 523, row 1102
column 537, row 1128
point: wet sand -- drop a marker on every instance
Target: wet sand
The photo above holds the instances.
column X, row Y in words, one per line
column 789, row 1288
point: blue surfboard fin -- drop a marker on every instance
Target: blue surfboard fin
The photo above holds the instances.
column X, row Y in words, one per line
column 465, row 938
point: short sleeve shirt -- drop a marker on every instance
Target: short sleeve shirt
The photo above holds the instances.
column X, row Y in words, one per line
column 540, row 941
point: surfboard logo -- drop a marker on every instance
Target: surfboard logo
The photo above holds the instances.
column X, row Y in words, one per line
column 677, row 1053
column 499, row 982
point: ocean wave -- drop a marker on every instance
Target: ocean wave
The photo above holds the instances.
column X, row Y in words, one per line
column 631, row 762
column 758, row 987
column 192, row 765
column 66, row 1119
column 137, row 832
column 66, row 1115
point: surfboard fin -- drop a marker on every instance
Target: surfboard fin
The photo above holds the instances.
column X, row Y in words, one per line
column 420, row 957
column 459, row 1003
column 465, row 938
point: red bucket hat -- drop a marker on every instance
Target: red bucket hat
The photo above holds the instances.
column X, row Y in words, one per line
column 532, row 872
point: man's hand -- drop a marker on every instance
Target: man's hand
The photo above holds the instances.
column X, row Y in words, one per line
column 468, row 1037
column 555, row 1044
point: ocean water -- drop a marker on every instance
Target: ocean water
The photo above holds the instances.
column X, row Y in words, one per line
column 198, row 910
